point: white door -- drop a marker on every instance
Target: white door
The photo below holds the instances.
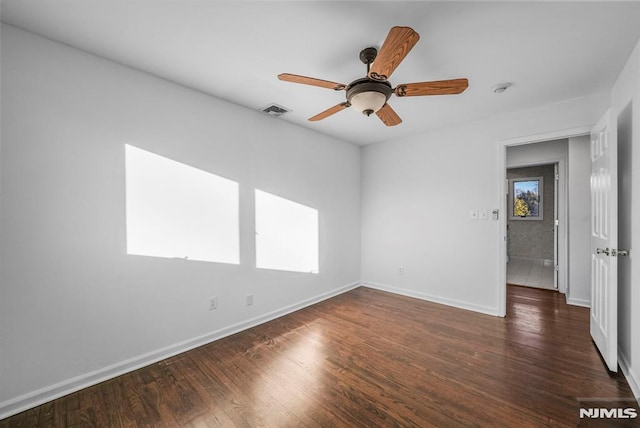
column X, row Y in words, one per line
column 604, row 240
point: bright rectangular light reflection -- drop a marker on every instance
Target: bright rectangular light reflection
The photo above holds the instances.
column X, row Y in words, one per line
column 178, row 211
column 286, row 234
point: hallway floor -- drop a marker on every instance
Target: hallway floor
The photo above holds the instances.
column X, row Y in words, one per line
column 530, row 272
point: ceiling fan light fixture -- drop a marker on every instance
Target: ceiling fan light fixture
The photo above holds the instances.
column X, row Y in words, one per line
column 368, row 96
column 368, row 102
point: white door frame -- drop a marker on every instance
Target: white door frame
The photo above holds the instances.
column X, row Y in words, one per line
column 502, row 188
column 557, row 212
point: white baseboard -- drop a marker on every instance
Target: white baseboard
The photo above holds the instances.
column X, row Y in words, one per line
column 579, row 302
column 431, row 298
column 629, row 374
column 46, row 394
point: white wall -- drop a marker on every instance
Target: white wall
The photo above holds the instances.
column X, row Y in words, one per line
column 626, row 113
column 537, row 153
column 74, row 307
column 579, row 170
column 416, row 198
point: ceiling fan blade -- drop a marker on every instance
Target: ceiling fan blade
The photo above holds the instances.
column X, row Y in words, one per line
column 395, row 48
column 328, row 112
column 388, row 116
column 439, row 87
column 294, row 78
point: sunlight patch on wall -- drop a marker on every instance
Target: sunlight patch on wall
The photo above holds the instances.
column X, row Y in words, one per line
column 178, row 211
column 286, row 234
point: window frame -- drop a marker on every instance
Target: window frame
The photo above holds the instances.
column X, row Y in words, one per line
column 512, row 184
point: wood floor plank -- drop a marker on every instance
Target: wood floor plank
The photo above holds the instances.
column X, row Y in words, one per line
column 365, row 358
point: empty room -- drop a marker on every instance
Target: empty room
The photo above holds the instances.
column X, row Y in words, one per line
column 312, row 213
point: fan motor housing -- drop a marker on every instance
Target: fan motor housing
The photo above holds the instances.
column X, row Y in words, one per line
column 367, row 55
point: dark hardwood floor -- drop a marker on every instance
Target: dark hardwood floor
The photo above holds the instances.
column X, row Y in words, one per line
column 364, row 359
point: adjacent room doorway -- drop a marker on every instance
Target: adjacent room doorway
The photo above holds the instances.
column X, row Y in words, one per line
column 532, row 225
column 536, row 214
column 524, row 147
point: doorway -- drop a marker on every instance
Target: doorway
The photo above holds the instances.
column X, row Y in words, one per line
column 526, row 151
column 532, row 223
column 536, row 244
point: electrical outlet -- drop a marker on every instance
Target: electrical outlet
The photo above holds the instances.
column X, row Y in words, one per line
column 213, row 303
column 249, row 299
column 400, row 270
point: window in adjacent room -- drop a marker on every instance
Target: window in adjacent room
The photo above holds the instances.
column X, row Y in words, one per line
column 178, row 211
column 526, row 198
column 286, row 234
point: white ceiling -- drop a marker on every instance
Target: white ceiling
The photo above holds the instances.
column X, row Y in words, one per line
column 550, row 51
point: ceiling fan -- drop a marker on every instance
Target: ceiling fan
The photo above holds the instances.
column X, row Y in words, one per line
column 371, row 93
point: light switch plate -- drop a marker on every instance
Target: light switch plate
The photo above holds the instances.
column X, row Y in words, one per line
column 473, row 214
column 484, row 215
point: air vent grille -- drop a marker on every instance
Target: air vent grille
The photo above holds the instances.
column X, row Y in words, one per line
column 275, row 110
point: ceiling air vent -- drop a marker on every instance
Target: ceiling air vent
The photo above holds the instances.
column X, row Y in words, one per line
column 275, row 110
